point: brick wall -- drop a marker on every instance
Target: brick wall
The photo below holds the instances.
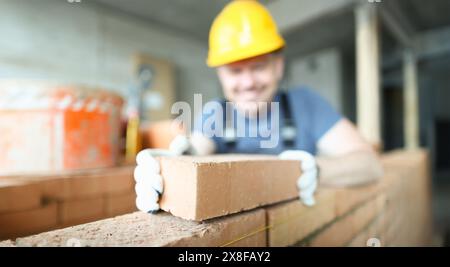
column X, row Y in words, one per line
column 30, row 205
column 395, row 211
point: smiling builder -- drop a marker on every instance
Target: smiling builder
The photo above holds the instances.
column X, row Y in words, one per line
column 245, row 48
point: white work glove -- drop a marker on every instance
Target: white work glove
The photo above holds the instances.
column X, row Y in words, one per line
column 147, row 174
column 308, row 181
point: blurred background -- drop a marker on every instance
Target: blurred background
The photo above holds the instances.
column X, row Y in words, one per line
column 124, row 57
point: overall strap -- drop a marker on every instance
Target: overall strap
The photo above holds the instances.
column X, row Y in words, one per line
column 289, row 131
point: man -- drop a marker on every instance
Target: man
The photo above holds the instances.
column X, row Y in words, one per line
column 245, row 48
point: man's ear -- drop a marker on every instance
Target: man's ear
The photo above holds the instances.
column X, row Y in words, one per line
column 279, row 66
column 219, row 71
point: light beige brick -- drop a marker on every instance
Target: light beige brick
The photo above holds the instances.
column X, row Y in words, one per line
column 7, row 243
column 141, row 229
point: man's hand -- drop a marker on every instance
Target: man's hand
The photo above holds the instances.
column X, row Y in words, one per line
column 149, row 183
column 308, row 181
column 147, row 174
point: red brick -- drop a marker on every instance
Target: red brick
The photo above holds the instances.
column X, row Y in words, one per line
column 83, row 184
column 289, row 223
column 371, row 231
column 120, row 204
column 200, row 188
column 410, row 224
column 360, row 240
column 28, row 222
column 344, row 230
column 108, row 181
column 119, row 180
column 74, row 212
column 18, row 196
column 247, row 229
column 349, row 198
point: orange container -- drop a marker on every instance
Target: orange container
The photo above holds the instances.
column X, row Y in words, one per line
column 49, row 127
column 160, row 134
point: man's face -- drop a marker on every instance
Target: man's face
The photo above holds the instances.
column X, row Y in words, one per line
column 250, row 82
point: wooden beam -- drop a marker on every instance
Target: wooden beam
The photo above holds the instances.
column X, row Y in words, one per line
column 411, row 102
column 368, row 73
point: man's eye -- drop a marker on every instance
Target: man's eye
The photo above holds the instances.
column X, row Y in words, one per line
column 259, row 66
column 235, row 71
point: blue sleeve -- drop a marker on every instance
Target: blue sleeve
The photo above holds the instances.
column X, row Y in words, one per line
column 321, row 115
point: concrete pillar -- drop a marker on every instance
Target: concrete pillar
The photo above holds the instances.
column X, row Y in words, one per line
column 368, row 73
column 411, row 101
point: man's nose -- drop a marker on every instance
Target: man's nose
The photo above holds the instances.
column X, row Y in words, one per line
column 247, row 80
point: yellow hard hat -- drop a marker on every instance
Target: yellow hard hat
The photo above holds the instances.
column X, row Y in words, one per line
column 243, row 29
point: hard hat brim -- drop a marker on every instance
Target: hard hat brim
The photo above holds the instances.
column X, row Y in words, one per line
column 243, row 54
